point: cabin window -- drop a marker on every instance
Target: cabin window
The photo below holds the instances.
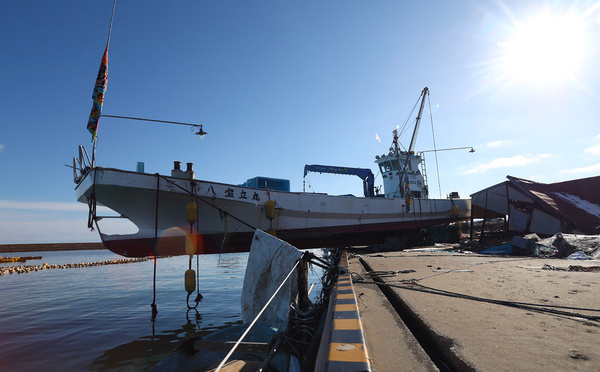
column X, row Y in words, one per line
column 386, row 167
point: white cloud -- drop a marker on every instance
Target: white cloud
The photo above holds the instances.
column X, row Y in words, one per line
column 588, row 169
column 52, row 206
column 513, row 161
column 594, row 150
column 497, row 143
column 54, row 222
column 61, row 231
column 1, row 146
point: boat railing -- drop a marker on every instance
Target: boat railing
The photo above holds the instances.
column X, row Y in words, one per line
column 81, row 165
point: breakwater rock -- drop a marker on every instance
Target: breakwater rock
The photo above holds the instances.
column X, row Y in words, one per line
column 23, row 269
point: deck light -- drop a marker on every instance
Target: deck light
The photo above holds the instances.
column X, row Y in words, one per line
column 201, row 131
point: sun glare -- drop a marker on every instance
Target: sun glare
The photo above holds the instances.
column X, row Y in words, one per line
column 545, row 49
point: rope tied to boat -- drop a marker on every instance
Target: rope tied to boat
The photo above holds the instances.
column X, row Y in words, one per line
column 190, row 276
column 153, row 304
column 202, row 199
column 257, row 317
column 223, row 213
column 193, row 217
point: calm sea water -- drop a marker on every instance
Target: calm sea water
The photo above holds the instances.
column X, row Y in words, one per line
column 99, row 318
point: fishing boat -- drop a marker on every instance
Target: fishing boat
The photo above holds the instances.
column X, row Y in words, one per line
column 175, row 211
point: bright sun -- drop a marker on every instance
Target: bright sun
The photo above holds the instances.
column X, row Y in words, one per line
column 545, row 49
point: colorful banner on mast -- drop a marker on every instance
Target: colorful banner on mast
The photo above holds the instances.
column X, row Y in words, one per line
column 407, row 194
column 98, row 95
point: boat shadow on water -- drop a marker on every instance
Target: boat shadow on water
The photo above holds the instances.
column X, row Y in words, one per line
column 145, row 352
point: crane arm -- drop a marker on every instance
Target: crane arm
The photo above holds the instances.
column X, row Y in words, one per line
column 364, row 173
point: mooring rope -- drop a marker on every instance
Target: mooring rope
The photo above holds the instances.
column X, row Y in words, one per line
column 199, row 297
column 413, row 285
column 257, row 317
column 208, row 203
column 153, row 304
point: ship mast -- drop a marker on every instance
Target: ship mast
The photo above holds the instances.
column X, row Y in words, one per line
column 413, row 140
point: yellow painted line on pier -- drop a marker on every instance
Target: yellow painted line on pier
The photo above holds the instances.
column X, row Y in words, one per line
column 346, row 307
column 347, row 349
column 340, row 352
column 346, row 324
column 345, row 296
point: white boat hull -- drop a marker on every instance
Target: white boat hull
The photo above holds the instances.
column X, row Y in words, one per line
column 229, row 214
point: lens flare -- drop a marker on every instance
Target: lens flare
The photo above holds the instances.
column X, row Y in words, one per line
column 175, row 241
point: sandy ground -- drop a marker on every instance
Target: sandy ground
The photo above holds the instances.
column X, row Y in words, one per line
column 487, row 336
column 390, row 344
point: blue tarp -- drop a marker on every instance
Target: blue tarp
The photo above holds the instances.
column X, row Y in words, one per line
column 501, row 249
column 579, row 255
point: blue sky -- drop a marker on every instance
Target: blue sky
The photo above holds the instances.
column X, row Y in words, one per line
column 281, row 84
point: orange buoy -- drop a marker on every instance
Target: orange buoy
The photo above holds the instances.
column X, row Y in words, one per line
column 192, row 212
column 270, row 209
column 190, row 281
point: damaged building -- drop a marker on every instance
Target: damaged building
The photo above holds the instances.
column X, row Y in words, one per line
column 545, row 209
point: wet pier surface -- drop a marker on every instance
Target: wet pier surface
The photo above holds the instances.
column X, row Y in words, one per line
column 454, row 311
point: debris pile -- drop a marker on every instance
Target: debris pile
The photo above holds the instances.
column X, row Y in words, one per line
column 589, row 269
column 569, row 246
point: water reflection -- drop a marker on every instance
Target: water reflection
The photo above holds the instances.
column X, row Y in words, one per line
column 232, row 261
column 146, row 351
column 99, row 317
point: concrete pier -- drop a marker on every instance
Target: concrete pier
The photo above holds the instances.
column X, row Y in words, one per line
column 455, row 311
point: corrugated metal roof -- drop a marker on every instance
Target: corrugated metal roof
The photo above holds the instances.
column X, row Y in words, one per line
column 576, row 202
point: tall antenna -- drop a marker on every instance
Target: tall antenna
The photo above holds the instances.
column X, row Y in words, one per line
column 112, row 16
column 99, row 89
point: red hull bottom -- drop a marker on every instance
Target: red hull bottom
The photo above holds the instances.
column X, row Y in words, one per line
column 240, row 242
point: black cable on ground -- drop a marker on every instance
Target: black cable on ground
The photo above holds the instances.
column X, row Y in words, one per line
column 438, row 349
column 542, row 308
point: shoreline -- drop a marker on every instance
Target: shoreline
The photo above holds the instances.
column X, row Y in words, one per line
column 40, row 247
